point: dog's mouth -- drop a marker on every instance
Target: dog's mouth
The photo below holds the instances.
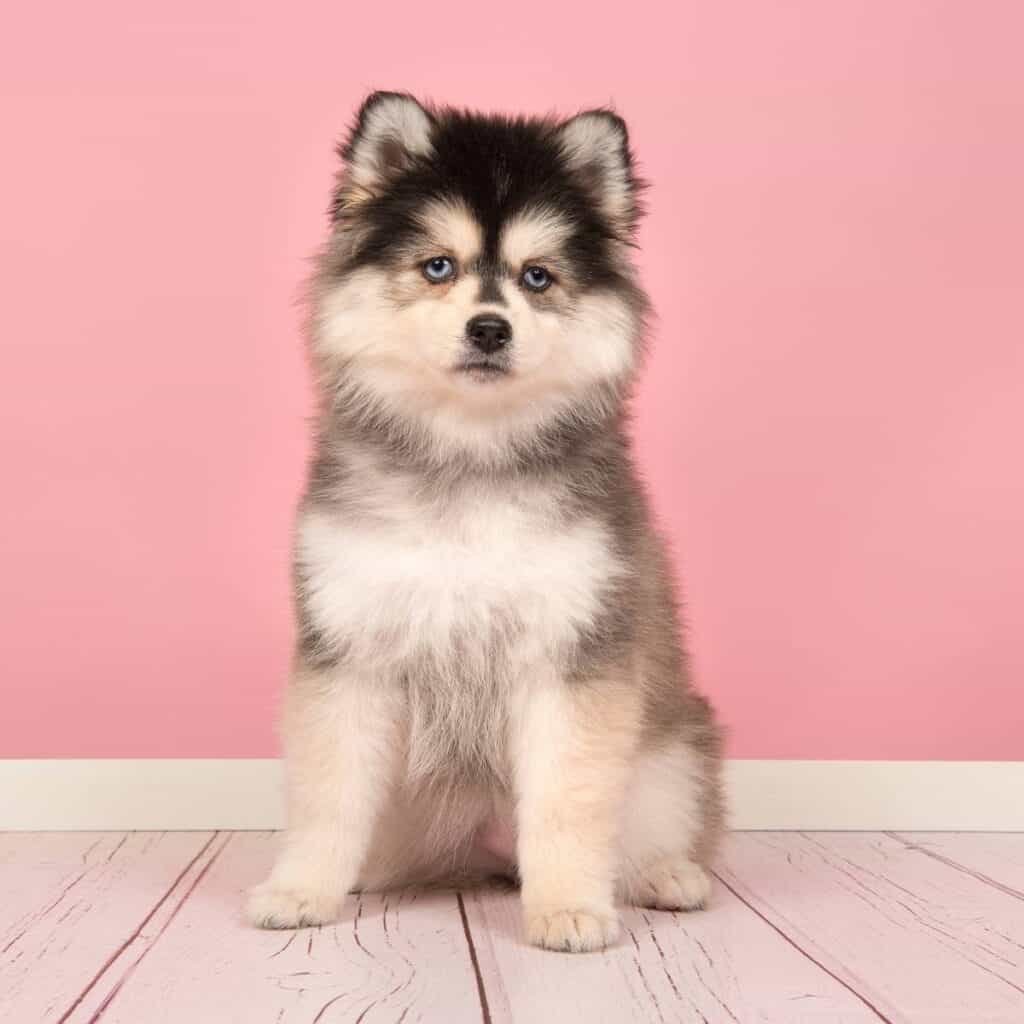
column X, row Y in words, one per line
column 484, row 368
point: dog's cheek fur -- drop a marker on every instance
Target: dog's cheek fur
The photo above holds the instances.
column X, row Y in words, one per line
column 391, row 321
column 593, row 340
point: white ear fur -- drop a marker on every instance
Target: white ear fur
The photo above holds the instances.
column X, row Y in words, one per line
column 596, row 146
column 392, row 129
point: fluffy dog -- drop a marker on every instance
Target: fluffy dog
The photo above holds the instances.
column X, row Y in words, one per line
column 489, row 676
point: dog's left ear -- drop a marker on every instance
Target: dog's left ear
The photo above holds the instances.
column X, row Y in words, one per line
column 596, row 148
column 391, row 131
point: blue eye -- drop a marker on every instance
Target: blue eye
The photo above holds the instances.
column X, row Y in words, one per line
column 439, row 269
column 536, row 278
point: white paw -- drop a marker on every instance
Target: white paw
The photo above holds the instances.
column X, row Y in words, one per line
column 273, row 905
column 675, row 885
column 572, row 931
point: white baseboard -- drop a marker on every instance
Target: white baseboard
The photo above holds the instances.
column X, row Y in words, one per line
column 247, row 794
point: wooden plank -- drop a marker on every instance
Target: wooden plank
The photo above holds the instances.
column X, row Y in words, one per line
column 919, row 939
column 67, row 903
column 93, row 1001
column 993, row 857
column 403, row 956
column 721, row 965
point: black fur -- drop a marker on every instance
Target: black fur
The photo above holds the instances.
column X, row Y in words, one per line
column 498, row 166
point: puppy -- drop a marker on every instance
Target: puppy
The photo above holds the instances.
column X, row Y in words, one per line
column 488, row 675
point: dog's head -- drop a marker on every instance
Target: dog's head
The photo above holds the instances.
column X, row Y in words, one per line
column 478, row 288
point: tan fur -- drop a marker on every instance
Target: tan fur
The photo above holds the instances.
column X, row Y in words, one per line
column 535, row 236
column 574, row 751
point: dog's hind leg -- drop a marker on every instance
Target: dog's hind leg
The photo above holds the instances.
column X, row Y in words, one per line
column 671, row 824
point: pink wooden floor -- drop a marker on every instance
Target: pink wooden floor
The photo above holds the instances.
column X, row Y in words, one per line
column 141, row 928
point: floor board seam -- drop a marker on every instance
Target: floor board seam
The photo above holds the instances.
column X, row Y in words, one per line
column 956, row 865
column 480, row 988
column 792, row 942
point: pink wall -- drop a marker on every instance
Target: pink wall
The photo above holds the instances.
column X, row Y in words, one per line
column 832, row 423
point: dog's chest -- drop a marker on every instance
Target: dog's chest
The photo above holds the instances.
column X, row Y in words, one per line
column 478, row 580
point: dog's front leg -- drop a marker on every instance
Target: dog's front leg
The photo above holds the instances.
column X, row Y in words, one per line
column 342, row 742
column 573, row 745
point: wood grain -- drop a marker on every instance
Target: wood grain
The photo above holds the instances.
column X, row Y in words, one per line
column 403, row 956
column 917, row 938
column 68, row 904
column 722, row 965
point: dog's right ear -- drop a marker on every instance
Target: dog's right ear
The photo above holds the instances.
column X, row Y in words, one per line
column 391, row 131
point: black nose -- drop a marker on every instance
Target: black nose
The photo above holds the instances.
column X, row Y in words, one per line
column 488, row 332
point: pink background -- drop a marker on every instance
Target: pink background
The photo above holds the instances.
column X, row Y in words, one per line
column 832, row 422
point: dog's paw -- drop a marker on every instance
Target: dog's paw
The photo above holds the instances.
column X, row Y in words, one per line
column 678, row 884
column 572, row 931
column 273, row 905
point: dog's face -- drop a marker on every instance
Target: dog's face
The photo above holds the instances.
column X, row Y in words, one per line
column 478, row 283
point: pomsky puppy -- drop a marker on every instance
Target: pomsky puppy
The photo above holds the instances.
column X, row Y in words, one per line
column 489, row 676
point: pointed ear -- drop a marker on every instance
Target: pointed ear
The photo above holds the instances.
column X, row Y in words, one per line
column 596, row 148
column 392, row 129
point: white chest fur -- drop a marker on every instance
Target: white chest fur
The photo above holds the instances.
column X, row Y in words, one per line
column 430, row 582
